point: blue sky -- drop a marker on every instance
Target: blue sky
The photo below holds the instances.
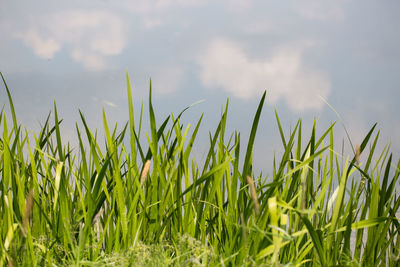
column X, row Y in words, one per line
column 77, row 52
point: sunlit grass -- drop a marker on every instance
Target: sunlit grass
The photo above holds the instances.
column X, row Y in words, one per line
column 120, row 202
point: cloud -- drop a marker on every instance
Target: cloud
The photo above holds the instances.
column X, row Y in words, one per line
column 151, row 23
column 321, row 10
column 89, row 36
column 43, row 47
column 166, row 80
column 162, row 6
column 284, row 75
column 150, row 6
column 104, row 102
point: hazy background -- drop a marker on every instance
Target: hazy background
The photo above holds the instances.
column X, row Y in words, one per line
column 76, row 53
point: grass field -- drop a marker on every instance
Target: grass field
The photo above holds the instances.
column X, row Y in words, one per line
column 121, row 202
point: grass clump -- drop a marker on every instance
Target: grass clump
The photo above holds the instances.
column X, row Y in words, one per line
column 128, row 203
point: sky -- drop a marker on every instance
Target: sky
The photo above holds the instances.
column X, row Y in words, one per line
column 315, row 59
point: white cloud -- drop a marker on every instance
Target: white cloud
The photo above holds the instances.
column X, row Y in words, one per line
column 321, row 10
column 259, row 27
column 284, row 75
column 243, row 3
column 151, row 6
column 151, row 23
column 166, row 80
column 156, row 13
column 90, row 60
column 104, row 102
column 89, row 36
column 43, row 47
column 108, row 103
column 238, row 5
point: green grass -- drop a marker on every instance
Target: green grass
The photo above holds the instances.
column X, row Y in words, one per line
column 96, row 205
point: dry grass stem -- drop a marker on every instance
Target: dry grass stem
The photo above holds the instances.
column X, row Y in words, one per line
column 28, row 211
column 358, row 152
column 98, row 215
column 145, row 172
column 253, row 193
